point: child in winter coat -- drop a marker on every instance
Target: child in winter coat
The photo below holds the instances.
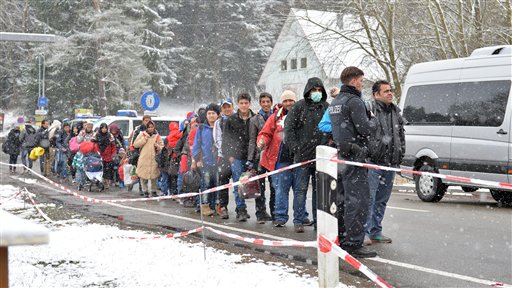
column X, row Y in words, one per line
column 172, row 139
column 78, row 165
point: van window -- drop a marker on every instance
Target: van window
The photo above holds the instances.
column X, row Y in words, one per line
column 430, row 104
column 482, row 103
column 162, row 127
column 123, row 125
column 136, row 123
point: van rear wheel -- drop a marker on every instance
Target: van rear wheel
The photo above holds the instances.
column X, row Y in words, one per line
column 502, row 197
column 428, row 188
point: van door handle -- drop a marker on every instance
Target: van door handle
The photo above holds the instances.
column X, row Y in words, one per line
column 502, row 132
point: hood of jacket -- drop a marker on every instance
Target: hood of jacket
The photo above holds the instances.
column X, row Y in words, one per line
column 312, row 83
column 53, row 128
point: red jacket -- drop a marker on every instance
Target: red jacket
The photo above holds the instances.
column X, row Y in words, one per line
column 272, row 133
column 108, row 154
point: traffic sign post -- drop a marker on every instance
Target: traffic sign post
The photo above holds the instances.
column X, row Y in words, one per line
column 42, row 102
column 150, row 101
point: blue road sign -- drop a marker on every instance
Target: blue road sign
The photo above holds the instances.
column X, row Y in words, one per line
column 150, row 101
column 42, row 102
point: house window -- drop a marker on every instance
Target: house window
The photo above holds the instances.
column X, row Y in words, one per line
column 304, row 63
column 283, row 65
column 293, row 64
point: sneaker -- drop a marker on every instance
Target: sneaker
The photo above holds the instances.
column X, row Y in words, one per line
column 380, row 239
column 308, row 222
column 153, row 194
column 279, row 223
column 146, row 195
column 241, row 215
column 299, row 228
column 142, row 193
column 367, row 241
column 362, row 252
column 224, row 213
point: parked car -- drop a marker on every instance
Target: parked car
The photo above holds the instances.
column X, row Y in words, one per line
column 458, row 122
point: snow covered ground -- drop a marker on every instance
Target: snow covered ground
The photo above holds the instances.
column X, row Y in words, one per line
column 83, row 254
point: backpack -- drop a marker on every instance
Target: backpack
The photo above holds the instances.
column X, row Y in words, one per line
column 74, row 146
column 162, row 158
column 174, row 165
column 30, row 137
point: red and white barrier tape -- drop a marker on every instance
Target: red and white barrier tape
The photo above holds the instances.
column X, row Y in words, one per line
column 185, row 195
column 325, row 245
column 265, row 242
column 37, row 208
column 12, row 197
column 168, row 236
column 414, row 172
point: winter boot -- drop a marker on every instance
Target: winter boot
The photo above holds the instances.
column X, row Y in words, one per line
column 224, row 213
column 241, row 215
column 206, row 210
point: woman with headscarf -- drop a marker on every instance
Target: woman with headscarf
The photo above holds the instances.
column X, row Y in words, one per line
column 149, row 143
column 107, row 146
column 119, row 140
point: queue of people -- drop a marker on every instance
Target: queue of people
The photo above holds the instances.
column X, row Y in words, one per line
column 217, row 144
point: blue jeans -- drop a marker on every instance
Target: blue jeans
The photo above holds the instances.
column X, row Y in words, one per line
column 25, row 157
column 283, row 182
column 381, row 184
column 237, row 168
column 61, row 162
column 209, row 176
column 164, row 184
column 179, row 183
column 303, row 174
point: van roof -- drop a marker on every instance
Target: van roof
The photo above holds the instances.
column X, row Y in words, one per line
column 497, row 60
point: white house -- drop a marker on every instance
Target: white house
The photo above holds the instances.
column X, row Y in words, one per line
column 310, row 45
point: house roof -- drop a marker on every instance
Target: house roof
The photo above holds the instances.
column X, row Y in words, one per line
column 324, row 32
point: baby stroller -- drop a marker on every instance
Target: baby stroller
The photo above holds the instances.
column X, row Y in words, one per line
column 93, row 168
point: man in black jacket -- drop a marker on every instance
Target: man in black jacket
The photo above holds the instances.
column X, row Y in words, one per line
column 235, row 146
column 351, row 129
column 302, row 136
column 387, row 148
column 43, row 140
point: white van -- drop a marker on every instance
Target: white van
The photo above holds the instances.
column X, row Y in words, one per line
column 458, row 121
column 127, row 124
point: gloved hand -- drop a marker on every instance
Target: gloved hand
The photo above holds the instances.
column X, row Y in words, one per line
column 249, row 165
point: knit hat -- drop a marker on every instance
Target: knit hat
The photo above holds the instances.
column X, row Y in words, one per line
column 121, row 151
column 190, row 114
column 213, row 107
column 288, row 95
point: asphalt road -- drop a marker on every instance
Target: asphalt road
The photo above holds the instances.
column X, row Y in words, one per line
column 463, row 241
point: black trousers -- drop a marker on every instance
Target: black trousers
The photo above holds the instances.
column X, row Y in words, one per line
column 224, row 175
column 272, row 200
column 353, row 200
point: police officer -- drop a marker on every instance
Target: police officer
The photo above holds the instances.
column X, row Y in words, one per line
column 351, row 129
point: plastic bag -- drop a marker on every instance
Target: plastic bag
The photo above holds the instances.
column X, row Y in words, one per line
column 249, row 189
